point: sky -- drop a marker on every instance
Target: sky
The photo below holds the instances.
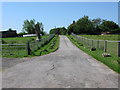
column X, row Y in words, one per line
column 55, row 14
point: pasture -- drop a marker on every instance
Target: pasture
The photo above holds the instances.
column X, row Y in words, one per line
column 19, row 40
column 111, row 43
column 103, row 37
column 20, row 46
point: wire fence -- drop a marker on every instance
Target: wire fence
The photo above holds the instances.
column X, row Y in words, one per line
column 35, row 45
column 112, row 47
column 20, row 50
column 14, row 50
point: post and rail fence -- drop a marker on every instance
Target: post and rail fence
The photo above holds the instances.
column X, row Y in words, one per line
column 112, row 47
column 24, row 49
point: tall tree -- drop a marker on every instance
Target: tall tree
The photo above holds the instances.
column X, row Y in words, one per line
column 82, row 26
column 71, row 28
column 29, row 26
column 97, row 22
column 109, row 26
column 37, row 30
column 41, row 28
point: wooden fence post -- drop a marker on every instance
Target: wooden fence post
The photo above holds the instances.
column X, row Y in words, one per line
column 28, row 48
column 82, row 40
column 118, row 49
column 9, row 49
column 98, row 44
column 92, row 43
column 88, row 42
column 105, row 46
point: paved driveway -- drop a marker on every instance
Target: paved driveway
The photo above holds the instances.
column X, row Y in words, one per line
column 68, row 67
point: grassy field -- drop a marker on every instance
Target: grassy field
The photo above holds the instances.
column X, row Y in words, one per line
column 103, row 37
column 19, row 39
column 111, row 62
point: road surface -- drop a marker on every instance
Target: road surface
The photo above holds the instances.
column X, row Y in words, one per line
column 68, row 67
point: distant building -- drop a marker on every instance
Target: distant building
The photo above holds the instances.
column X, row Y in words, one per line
column 29, row 35
column 5, row 34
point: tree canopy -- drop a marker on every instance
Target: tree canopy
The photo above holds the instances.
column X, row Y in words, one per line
column 29, row 27
column 87, row 26
column 59, row 31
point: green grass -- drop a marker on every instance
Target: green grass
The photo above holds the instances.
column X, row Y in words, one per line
column 112, row 47
column 102, row 37
column 111, row 62
column 52, row 46
column 19, row 40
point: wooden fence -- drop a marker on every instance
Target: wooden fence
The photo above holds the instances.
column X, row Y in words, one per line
column 14, row 50
column 20, row 50
column 109, row 46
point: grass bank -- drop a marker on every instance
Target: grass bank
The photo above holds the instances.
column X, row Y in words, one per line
column 111, row 62
column 52, row 46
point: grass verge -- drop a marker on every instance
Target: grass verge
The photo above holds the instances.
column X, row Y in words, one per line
column 52, row 46
column 111, row 62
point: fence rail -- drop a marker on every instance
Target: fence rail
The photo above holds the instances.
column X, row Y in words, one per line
column 35, row 45
column 24, row 49
column 13, row 49
column 109, row 46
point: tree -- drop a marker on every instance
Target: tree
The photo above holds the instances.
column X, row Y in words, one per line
column 29, row 26
column 59, row 31
column 82, row 26
column 96, row 22
column 10, row 29
column 71, row 28
column 108, row 26
column 41, row 29
column 87, row 26
column 37, row 30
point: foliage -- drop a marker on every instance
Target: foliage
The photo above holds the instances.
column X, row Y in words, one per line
column 58, row 31
column 29, row 27
column 52, row 46
column 37, row 30
column 3, row 42
column 92, row 27
column 10, row 29
column 108, row 26
column 83, row 25
column 21, row 34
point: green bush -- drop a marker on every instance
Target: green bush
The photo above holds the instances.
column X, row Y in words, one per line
column 3, row 42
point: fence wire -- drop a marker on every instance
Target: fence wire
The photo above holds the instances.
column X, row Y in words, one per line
column 106, row 45
column 18, row 50
column 14, row 49
column 35, row 45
